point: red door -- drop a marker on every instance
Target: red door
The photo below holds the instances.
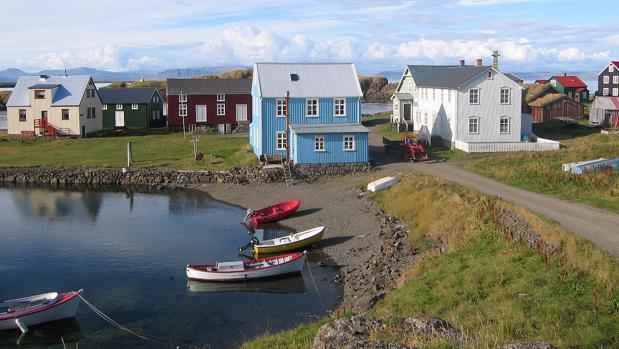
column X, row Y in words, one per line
column 44, row 117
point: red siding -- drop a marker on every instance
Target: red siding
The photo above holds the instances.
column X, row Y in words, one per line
column 211, row 109
column 561, row 108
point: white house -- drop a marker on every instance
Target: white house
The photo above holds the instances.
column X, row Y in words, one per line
column 471, row 108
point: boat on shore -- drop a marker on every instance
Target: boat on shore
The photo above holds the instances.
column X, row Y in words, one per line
column 253, row 219
column 262, row 268
column 34, row 310
column 290, row 242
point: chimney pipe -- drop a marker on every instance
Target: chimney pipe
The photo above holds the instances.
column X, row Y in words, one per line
column 495, row 59
column 564, row 74
column 462, row 62
column 478, row 63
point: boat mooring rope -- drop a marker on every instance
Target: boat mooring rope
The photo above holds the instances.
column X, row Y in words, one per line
column 121, row 327
column 314, row 282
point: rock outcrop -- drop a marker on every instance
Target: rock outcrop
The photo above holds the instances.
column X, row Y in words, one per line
column 529, row 345
column 376, row 89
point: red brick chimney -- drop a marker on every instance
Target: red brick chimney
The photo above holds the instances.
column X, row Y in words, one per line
column 478, row 63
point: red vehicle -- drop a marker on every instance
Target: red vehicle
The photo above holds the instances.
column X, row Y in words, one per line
column 253, row 219
column 410, row 148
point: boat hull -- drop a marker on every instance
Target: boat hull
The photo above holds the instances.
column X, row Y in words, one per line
column 57, row 311
column 293, row 246
column 291, row 267
column 268, row 214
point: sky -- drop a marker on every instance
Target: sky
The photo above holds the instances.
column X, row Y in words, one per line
column 377, row 35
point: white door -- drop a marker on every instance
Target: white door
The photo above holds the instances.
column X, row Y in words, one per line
column 120, row 118
column 200, row 113
column 241, row 112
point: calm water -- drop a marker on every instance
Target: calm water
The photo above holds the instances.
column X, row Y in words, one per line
column 128, row 252
column 373, row 108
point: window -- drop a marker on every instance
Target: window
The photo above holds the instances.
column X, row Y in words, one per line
column 280, row 138
column 490, row 75
column 39, row 94
column 474, row 96
column 615, row 91
column 606, row 79
column 616, row 79
column 87, row 93
column 473, row 125
column 182, row 98
column 65, row 114
column 611, row 68
column 319, row 143
column 281, row 108
column 221, row 109
column 504, row 125
column 339, row 107
column 104, row 107
column 221, row 97
column 349, row 142
column 182, row 109
column 119, row 107
column 605, row 91
column 505, row 95
column 90, row 113
column 22, row 115
column 312, row 107
column 553, row 82
column 92, row 92
column 87, row 113
column 134, row 106
column 155, row 99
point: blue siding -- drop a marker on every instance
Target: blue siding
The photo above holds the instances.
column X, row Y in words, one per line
column 270, row 125
column 298, row 111
column 304, row 152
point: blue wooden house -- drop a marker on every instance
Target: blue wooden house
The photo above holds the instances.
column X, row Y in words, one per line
column 315, row 106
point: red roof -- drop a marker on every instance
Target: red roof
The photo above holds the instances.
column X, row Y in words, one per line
column 616, row 63
column 541, row 81
column 570, row 81
column 580, row 89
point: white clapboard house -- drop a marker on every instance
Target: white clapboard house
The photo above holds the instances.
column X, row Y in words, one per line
column 472, row 108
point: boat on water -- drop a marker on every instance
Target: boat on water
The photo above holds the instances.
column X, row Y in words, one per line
column 253, row 219
column 262, row 268
column 290, row 242
column 285, row 285
column 34, row 310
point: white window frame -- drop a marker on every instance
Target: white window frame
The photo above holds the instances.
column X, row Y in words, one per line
column 119, row 107
column 509, row 125
column 616, row 79
column 615, row 91
column 342, row 105
column 611, row 68
column 104, row 107
column 476, row 119
column 221, row 109
column 182, row 98
column 509, row 95
column 606, row 79
column 284, row 140
column 471, row 96
column 307, row 107
column 134, row 106
column 490, row 75
column 605, row 91
column 352, row 141
column 319, row 143
column 280, row 107
column 182, row 110
column 221, row 97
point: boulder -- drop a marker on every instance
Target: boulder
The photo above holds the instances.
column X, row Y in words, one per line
column 376, row 345
column 345, row 331
column 529, row 345
column 431, row 327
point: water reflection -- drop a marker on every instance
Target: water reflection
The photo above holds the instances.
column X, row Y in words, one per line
column 51, row 333
column 57, row 204
column 290, row 284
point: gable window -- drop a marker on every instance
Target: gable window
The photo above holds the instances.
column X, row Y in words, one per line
column 221, row 97
column 65, row 114
column 182, row 98
column 22, row 115
column 281, row 107
column 505, row 95
column 504, row 125
column 134, row 106
column 155, row 99
column 182, row 109
column 349, row 142
column 319, row 143
column 605, row 91
column 490, row 75
column 87, row 93
column 39, row 94
column 473, row 124
column 104, row 107
column 119, row 107
column 312, row 107
column 615, row 91
column 221, row 109
column 611, row 68
column 616, row 79
column 339, row 107
column 606, row 79
column 280, row 139
column 474, row 96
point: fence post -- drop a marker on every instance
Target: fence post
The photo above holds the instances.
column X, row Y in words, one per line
column 128, row 154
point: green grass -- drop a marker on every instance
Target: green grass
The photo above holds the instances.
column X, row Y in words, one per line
column 297, row 338
column 154, row 148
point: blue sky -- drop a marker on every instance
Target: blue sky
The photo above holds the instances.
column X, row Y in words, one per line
column 377, row 35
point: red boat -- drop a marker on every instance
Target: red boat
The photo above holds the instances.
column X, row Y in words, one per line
column 253, row 219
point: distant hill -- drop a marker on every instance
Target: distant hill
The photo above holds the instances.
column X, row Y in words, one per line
column 376, row 89
column 233, row 74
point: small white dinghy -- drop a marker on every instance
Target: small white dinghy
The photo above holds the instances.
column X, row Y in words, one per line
column 34, row 310
column 248, row 270
column 382, row 183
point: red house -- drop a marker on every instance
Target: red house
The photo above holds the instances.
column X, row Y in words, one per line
column 224, row 103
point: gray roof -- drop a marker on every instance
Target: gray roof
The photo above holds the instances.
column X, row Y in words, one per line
column 43, row 86
column 126, row 95
column 444, row 76
column 514, row 78
column 403, row 96
column 208, row 86
column 325, row 80
column 69, row 91
column 329, row 128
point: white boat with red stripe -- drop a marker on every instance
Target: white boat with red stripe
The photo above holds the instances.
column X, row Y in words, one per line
column 262, row 268
column 34, row 310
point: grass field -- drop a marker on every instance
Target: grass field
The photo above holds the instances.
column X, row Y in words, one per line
column 152, row 148
column 493, row 288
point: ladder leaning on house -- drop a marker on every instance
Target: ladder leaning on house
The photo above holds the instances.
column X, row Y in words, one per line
column 287, row 172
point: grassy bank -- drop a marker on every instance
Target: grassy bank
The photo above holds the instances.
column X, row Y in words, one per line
column 493, row 288
column 153, row 148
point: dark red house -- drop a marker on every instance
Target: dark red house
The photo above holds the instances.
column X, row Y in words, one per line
column 224, row 103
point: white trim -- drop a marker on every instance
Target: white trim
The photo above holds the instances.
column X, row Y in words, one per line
column 134, row 106
column 509, row 95
column 471, row 118
column 104, row 107
column 307, row 100
column 119, row 107
column 285, row 140
column 605, row 91
column 283, row 101
column 182, row 110
column 477, row 89
column 616, row 79
column 606, row 79
column 509, row 125
column 354, row 143
column 322, row 143
column 199, row 106
column 615, row 91
column 343, row 114
column 221, row 109
column 182, row 98
column 221, row 97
